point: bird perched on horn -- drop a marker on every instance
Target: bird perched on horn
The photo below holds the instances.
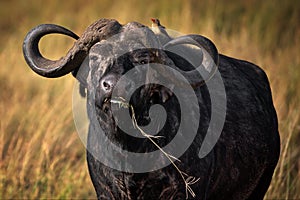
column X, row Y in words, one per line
column 190, row 53
column 160, row 31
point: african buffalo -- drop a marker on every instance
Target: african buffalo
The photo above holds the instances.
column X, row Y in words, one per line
column 241, row 163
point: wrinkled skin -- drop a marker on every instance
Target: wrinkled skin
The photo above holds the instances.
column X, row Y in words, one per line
column 239, row 167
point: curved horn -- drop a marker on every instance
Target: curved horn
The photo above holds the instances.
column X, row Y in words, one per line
column 210, row 58
column 99, row 30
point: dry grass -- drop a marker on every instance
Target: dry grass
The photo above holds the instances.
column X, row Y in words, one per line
column 41, row 154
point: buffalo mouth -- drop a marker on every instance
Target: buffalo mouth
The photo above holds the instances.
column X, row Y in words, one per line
column 141, row 101
column 105, row 114
column 139, row 107
column 106, row 105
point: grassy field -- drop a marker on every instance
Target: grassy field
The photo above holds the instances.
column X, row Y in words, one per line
column 41, row 155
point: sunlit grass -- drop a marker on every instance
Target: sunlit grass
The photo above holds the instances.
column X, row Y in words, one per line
column 41, row 154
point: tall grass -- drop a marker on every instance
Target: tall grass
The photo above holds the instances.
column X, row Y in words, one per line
column 41, row 155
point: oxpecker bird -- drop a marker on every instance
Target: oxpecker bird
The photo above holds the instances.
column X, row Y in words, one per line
column 160, row 31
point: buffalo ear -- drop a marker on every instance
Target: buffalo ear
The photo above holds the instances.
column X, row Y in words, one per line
column 181, row 60
column 81, row 74
column 198, row 51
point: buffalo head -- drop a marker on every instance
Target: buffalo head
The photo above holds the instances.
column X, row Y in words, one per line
column 107, row 50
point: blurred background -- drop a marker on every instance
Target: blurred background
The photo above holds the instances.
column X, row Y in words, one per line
column 41, row 155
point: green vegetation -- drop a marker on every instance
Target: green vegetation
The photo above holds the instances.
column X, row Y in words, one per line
column 41, row 155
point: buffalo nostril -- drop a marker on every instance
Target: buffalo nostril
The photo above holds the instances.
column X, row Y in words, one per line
column 106, row 85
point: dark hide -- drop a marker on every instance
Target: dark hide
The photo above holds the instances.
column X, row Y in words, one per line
column 239, row 167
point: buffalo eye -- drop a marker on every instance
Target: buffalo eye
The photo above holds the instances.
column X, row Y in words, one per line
column 144, row 61
column 93, row 58
column 141, row 57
